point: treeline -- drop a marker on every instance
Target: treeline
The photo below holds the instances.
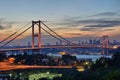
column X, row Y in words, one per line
column 102, row 69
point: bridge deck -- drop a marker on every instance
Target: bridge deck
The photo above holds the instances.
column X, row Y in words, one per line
column 54, row 46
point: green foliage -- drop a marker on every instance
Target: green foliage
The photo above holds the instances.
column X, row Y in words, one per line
column 43, row 79
column 102, row 63
column 68, row 58
column 116, row 60
column 105, row 69
column 107, row 63
column 57, row 78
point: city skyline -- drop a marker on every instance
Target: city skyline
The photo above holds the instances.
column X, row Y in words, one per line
column 75, row 20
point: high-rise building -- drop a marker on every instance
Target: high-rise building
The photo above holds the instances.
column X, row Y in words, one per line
column 114, row 42
column 60, row 42
column 94, row 41
column 83, row 42
column 90, row 41
column 29, row 44
column 57, row 43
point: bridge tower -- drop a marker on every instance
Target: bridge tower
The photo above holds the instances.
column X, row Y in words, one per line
column 38, row 35
column 104, row 44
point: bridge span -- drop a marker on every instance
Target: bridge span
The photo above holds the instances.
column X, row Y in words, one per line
column 54, row 46
column 103, row 41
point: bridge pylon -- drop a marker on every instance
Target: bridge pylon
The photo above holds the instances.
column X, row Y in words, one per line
column 38, row 35
column 104, row 44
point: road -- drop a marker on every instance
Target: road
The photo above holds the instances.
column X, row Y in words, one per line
column 7, row 66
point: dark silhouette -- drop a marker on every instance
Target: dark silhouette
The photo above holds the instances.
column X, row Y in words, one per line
column 43, row 79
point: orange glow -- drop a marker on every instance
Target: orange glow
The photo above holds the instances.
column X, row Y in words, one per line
column 11, row 60
column 62, row 53
column 116, row 46
column 66, row 32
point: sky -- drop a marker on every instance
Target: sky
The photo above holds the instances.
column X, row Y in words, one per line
column 72, row 19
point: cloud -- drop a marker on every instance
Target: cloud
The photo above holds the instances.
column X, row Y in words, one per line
column 95, row 29
column 104, row 22
column 68, row 23
column 73, row 34
column 88, row 29
column 89, row 24
column 106, row 14
column 103, row 25
column 99, row 25
column 1, row 27
column 5, row 24
column 109, row 29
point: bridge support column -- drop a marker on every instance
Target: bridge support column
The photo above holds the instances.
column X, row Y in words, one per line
column 32, row 34
column 38, row 35
column 104, row 44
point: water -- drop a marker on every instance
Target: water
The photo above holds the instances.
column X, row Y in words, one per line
column 93, row 57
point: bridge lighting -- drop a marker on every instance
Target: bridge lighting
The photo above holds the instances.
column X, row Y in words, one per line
column 20, row 74
column 10, row 75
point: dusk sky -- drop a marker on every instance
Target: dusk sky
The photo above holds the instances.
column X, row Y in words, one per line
column 74, row 19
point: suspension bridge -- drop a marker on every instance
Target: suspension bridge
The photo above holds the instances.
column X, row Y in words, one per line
column 41, row 26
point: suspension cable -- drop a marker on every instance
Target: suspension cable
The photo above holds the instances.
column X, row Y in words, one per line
column 15, row 37
column 52, row 35
column 57, row 34
column 14, row 33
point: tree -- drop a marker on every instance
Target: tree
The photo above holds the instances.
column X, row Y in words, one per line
column 2, row 56
column 57, row 78
column 116, row 60
column 101, row 64
column 114, row 75
column 43, row 79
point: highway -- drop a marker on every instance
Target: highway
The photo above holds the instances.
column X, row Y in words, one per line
column 4, row 66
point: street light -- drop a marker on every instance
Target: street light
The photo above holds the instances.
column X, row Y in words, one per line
column 20, row 74
column 48, row 72
column 10, row 75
